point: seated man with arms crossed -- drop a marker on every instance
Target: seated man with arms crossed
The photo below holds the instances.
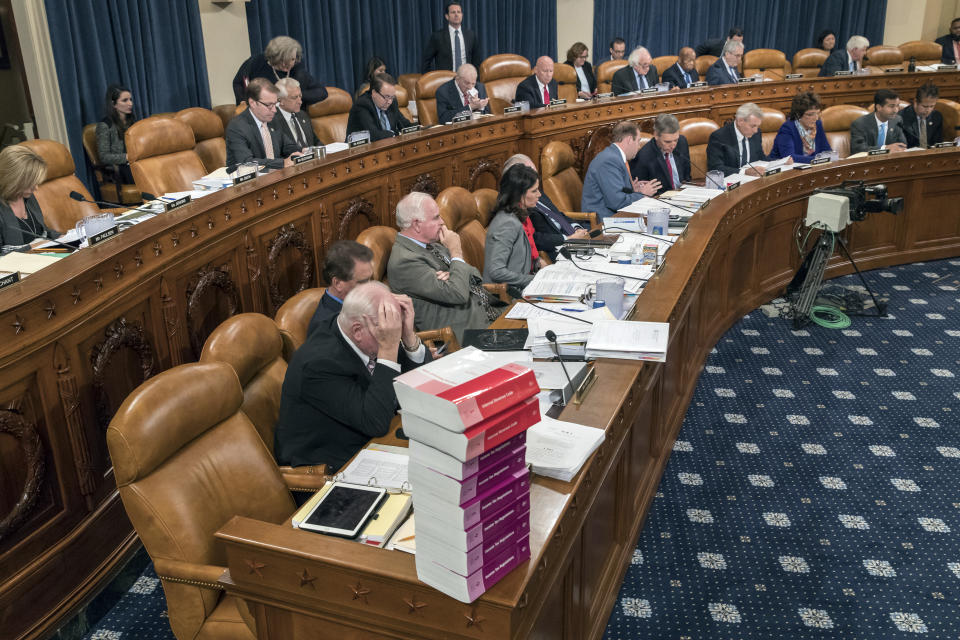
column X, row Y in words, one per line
column 338, row 391
column 880, row 129
column 608, row 186
column 346, row 265
column 426, row 263
column 738, row 143
column 255, row 135
column 461, row 93
column 666, row 158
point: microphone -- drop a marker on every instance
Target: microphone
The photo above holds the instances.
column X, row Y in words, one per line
column 76, row 195
column 8, row 248
column 565, row 252
column 640, row 233
column 552, row 338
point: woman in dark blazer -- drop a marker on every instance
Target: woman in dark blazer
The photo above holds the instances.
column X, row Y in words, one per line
column 21, row 221
column 281, row 58
column 586, row 81
column 117, row 118
column 510, row 254
column 827, row 40
column 801, row 137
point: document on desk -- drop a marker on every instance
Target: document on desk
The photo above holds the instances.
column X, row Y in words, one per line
column 558, row 449
column 379, row 469
column 26, row 263
column 629, row 340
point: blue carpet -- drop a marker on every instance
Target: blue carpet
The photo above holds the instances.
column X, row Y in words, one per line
column 814, row 489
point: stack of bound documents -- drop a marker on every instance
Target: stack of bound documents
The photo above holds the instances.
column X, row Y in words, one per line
column 467, row 416
column 558, row 449
column 628, row 340
column 571, row 337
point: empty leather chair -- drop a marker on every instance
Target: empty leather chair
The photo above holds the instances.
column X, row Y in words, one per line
column 697, row 132
column 225, row 112
column 562, row 183
column 427, row 87
column 702, row 63
column 771, row 63
column 950, row 111
column 403, row 102
column 770, row 123
column 836, row 124
column 161, row 155
column 882, row 57
column 662, row 63
column 807, row 62
column 566, row 78
column 925, row 52
column 500, row 75
column 186, row 460
column 112, row 188
column 293, row 318
column 379, row 239
column 208, row 133
column 60, row 211
column 485, row 199
column 329, row 117
column 605, row 71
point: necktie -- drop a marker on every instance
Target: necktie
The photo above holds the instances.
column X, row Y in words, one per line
column 267, row 141
column 629, row 174
column 371, row 365
column 882, row 138
column 466, row 100
column 744, row 154
column 546, row 95
column 733, row 73
column 672, row 171
column 301, row 138
column 384, row 122
column 457, row 50
column 558, row 221
column 686, row 76
column 923, row 132
column 476, row 285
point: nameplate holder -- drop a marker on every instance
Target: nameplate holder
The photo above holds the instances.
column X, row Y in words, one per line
column 943, row 145
column 946, row 67
column 9, row 279
column 464, row 117
column 843, row 73
column 515, row 109
column 600, row 96
column 696, row 85
column 358, row 143
column 106, row 234
column 557, row 103
column 176, row 204
column 772, row 172
column 649, row 90
column 733, row 185
column 878, row 152
column 894, row 70
column 307, row 157
column 817, row 161
column 793, row 76
column 745, row 80
column 411, row 129
column 244, row 178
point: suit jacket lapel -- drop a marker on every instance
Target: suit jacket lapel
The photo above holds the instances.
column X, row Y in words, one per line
column 257, row 136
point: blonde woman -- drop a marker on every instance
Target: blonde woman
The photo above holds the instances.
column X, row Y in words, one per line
column 21, row 221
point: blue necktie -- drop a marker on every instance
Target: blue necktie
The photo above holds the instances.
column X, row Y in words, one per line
column 457, row 50
column 883, row 135
column 687, row 77
column 384, row 122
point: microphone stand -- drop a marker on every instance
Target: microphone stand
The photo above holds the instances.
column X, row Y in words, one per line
column 552, row 338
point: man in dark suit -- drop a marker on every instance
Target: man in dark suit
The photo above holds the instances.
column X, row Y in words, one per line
column 737, row 143
column 638, row 74
column 922, row 123
column 847, row 59
column 453, row 45
column 535, row 88
column 684, row 72
column 951, row 43
column 338, row 389
column 724, row 70
column 715, row 47
column 376, row 110
column 666, row 158
column 618, row 49
column 880, row 129
column 346, row 265
column 461, row 93
column 608, row 185
column 255, row 135
column 294, row 122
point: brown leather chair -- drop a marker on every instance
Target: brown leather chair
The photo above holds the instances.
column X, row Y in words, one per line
column 427, row 87
column 60, row 211
column 409, row 82
column 566, row 78
column 702, row 63
column 208, row 133
column 112, row 189
column 772, row 63
column 379, row 239
column 562, row 183
column 770, row 123
column 807, row 62
column 697, row 132
column 293, row 318
column 403, row 102
column 662, row 63
column 882, row 57
column 925, row 52
column 950, row 111
column 329, row 117
column 485, row 200
column 836, row 124
column 225, row 112
column 186, row 459
column 500, row 75
column 161, row 155
column 605, row 71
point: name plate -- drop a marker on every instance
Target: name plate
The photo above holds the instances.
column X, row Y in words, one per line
column 697, row 85
column 245, row 178
column 557, row 103
column 102, row 236
column 878, row 152
column 307, row 157
column 817, row 161
column 843, row 73
column 514, row 109
column 463, row 117
column 942, row 145
column 358, row 143
column 772, row 172
column 745, row 80
column 649, row 90
column 894, row 70
column 947, row 67
column 601, row 96
column 793, row 76
column 733, row 185
column 9, row 279
column 411, row 129
column 176, row 204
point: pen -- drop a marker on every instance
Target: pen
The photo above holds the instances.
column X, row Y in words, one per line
column 441, row 348
column 572, row 310
column 407, row 538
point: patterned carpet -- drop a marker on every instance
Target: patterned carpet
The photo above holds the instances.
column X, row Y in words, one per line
column 814, row 489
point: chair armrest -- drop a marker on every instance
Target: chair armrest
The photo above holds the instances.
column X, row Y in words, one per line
column 200, row 575
column 307, row 479
column 500, row 289
column 585, row 216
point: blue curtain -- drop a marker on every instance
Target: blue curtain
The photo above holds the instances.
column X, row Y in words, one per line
column 339, row 36
column 154, row 48
column 663, row 26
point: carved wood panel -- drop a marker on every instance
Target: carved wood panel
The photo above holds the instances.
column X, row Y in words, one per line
column 358, row 214
column 111, row 366
column 212, row 297
column 289, row 265
column 590, row 145
column 28, row 440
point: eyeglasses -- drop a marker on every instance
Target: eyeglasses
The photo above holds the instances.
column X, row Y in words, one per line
column 386, row 97
column 582, row 57
column 267, row 105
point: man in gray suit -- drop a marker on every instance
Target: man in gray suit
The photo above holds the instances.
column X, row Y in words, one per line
column 880, row 129
column 294, row 122
column 608, row 186
column 426, row 263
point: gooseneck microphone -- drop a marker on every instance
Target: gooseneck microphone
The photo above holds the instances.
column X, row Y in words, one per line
column 565, row 252
column 552, row 338
column 76, row 195
column 640, row 233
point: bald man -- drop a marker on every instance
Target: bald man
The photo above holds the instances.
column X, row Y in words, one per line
column 540, row 88
column 461, row 93
column 684, row 72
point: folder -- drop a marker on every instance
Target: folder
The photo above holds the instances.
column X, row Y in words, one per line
column 388, row 517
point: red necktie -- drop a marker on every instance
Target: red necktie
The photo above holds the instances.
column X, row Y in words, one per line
column 546, row 95
column 666, row 157
column 466, row 100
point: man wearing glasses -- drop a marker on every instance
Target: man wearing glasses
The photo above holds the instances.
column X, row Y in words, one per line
column 254, row 135
column 376, row 111
column 724, row 70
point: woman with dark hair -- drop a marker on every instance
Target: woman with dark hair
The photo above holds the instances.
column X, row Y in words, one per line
column 827, row 40
column 586, row 81
column 375, row 66
column 510, row 254
column 117, row 118
column 801, row 137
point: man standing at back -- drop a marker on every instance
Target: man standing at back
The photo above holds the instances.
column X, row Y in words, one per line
column 254, row 136
column 451, row 46
column 540, row 88
column 346, row 265
column 608, row 186
column 715, row 47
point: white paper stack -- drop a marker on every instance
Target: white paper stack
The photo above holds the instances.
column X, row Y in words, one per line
column 571, row 337
column 629, row 340
column 557, row 449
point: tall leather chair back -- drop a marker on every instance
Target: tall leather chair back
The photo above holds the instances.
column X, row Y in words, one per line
column 485, row 199
column 252, row 345
column 161, row 155
column 427, row 87
column 403, row 102
column 500, row 75
column 702, row 63
column 950, row 111
column 697, row 132
column 207, row 130
column 111, row 189
column 293, row 318
column 836, row 124
column 883, row 57
column 662, row 63
column 225, row 112
column 770, row 123
column 772, row 63
column 329, row 117
column 459, row 212
column 807, row 62
column 409, row 82
column 186, row 460
column 561, row 182
column 379, row 239
column 566, row 78
column 605, row 71
column 60, row 211
column 926, row 52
